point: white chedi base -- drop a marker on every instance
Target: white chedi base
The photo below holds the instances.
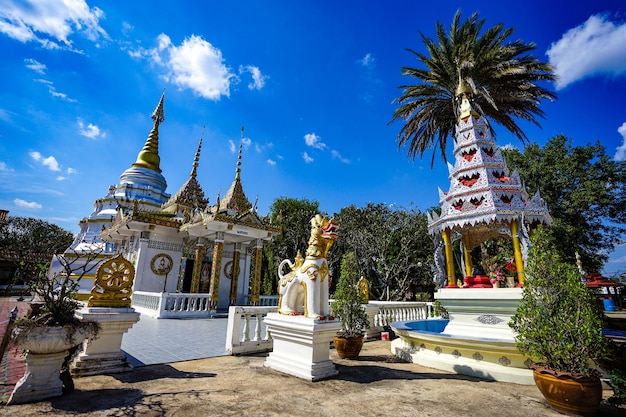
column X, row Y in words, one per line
column 301, row 346
column 104, row 355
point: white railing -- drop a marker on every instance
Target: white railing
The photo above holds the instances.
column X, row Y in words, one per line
column 246, row 332
column 172, row 305
column 264, row 300
column 390, row 311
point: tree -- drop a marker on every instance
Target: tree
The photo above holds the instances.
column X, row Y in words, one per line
column 294, row 217
column 585, row 191
column 392, row 248
column 502, row 78
column 25, row 243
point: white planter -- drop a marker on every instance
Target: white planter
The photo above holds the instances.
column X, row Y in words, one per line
column 46, row 348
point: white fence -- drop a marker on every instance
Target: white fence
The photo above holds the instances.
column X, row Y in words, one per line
column 172, row 305
column 248, row 334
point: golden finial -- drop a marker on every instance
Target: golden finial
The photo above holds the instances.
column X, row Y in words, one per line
column 196, row 160
column 463, row 87
column 238, row 170
column 148, row 157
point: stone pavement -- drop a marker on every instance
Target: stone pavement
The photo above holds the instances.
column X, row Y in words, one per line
column 376, row 384
column 11, row 365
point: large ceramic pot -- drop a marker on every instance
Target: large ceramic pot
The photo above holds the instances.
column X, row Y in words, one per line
column 46, row 339
column 348, row 347
column 578, row 396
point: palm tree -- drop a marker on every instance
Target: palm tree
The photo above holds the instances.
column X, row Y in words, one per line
column 500, row 77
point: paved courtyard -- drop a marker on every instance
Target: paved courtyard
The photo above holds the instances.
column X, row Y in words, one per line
column 170, row 380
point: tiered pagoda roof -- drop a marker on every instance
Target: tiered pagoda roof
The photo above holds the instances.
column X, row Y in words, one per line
column 483, row 192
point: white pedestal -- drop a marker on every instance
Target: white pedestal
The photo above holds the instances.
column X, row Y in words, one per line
column 41, row 378
column 104, row 355
column 301, row 346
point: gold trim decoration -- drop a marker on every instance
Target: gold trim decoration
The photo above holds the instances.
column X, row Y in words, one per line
column 161, row 264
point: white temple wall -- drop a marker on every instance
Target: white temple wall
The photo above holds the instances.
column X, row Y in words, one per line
column 150, row 255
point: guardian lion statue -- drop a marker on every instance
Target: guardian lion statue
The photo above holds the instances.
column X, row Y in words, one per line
column 304, row 289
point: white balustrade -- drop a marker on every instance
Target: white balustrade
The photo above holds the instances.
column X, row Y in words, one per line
column 172, row 305
column 246, row 332
column 390, row 311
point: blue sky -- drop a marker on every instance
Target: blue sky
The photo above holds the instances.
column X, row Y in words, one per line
column 311, row 81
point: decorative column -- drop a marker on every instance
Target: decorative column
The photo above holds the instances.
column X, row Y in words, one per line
column 197, row 267
column 449, row 259
column 216, row 268
column 256, row 273
column 234, row 275
column 517, row 251
column 467, row 255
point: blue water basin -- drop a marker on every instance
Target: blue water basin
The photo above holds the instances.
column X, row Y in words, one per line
column 426, row 326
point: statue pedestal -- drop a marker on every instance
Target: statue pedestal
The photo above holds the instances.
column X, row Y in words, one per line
column 301, row 346
column 103, row 355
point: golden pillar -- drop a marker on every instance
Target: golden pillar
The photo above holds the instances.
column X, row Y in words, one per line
column 197, row 267
column 256, row 273
column 216, row 269
column 449, row 259
column 234, row 277
column 517, row 251
column 467, row 255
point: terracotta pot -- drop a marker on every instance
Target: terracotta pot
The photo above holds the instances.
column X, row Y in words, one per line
column 578, row 396
column 348, row 347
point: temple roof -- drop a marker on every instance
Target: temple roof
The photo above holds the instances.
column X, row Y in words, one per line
column 190, row 195
column 483, row 192
column 235, row 202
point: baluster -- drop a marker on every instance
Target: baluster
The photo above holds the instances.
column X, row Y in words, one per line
column 257, row 328
column 246, row 327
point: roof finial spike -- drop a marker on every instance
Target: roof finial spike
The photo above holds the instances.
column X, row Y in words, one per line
column 158, row 115
column 196, row 160
column 238, row 170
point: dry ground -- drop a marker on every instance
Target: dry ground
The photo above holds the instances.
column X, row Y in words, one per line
column 374, row 385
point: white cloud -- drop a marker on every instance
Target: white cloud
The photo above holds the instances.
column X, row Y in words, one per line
column 231, row 146
column 53, row 92
column 307, row 158
column 337, row 155
column 49, row 162
column 592, row 48
column 4, row 167
column 258, row 79
column 70, row 171
column 25, row 204
column 35, row 65
column 90, row 130
column 271, row 162
column 620, row 154
column 195, row 64
column 312, row 140
column 50, row 23
column 368, row 61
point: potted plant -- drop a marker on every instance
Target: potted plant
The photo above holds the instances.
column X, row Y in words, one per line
column 559, row 325
column 49, row 330
column 348, row 307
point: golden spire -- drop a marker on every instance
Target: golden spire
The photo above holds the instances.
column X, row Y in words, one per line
column 464, row 93
column 238, row 170
column 196, row 160
column 148, row 157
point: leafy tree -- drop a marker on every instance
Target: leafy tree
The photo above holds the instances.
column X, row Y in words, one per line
column 347, row 305
column 585, row 191
column 500, row 75
column 27, row 242
column 28, row 235
column 392, row 248
column 294, row 216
